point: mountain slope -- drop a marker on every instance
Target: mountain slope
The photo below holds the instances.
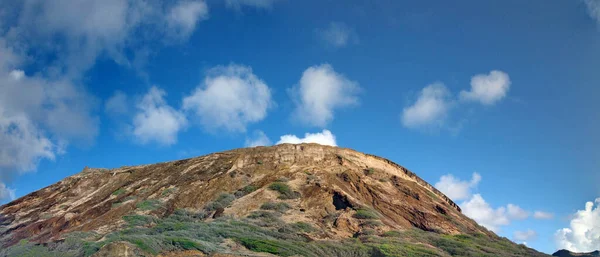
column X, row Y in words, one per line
column 566, row 253
column 308, row 199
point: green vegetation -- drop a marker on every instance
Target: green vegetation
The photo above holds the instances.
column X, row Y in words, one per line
column 246, row 190
column 186, row 230
column 280, row 207
column 369, row 171
column 431, row 194
column 138, row 220
column 365, row 214
column 119, row 191
column 148, row 205
column 285, row 192
column 168, row 191
column 222, row 201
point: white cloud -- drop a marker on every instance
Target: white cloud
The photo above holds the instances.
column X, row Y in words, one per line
column 320, row 92
column 487, row 89
column 78, row 32
column 323, row 138
column 32, row 116
column 593, row 7
column 455, row 188
column 6, row 194
column 184, row 16
column 337, row 34
column 474, row 205
column 258, row 139
column 543, row 215
column 479, row 210
column 117, row 104
column 516, row 213
column 430, row 109
column 583, row 234
column 525, row 236
column 23, row 145
column 156, row 121
column 261, row 4
column 230, row 97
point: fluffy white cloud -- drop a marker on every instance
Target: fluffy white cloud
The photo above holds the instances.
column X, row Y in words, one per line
column 23, row 145
column 184, row 16
column 337, row 34
column 543, row 215
column 237, row 4
column 259, row 138
column 593, row 7
column 320, row 92
column 455, row 188
column 6, row 194
column 117, row 104
column 583, row 234
column 515, row 212
column 156, row 121
column 32, row 116
column 430, row 109
column 487, row 89
column 81, row 32
column 323, row 138
column 475, row 207
column 479, row 210
column 230, row 98
column 525, row 236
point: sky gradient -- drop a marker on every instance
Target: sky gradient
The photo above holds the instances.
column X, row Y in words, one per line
column 495, row 103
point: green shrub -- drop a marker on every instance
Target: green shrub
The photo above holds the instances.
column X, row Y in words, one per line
column 148, row 205
column 168, row 191
column 246, row 190
column 303, row 226
column 392, row 233
column 184, row 243
column 222, row 201
column 272, row 206
column 119, row 191
column 285, row 192
column 266, row 216
column 365, row 214
column 138, row 220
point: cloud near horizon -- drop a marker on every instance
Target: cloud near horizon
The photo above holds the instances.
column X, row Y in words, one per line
column 525, row 236
column 455, row 188
column 258, row 138
column 475, row 206
column 324, row 138
column 583, row 232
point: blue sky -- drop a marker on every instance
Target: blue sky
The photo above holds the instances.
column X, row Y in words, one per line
column 495, row 102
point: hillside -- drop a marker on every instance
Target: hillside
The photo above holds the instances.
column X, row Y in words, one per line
column 566, row 253
column 304, row 200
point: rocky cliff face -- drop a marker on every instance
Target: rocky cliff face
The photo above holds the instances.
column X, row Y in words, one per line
column 315, row 194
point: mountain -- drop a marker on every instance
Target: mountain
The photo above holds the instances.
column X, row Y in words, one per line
column 302, row 200
column 566, row 253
